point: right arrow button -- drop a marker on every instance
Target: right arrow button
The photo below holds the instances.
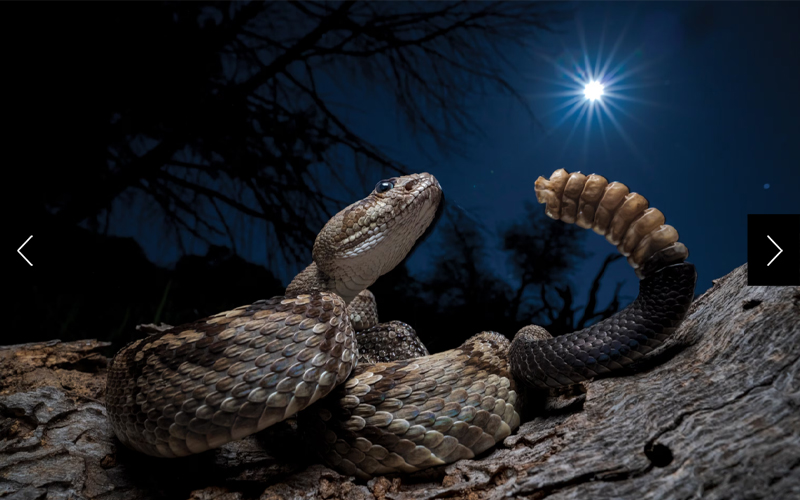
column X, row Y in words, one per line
column 780, row 250
column 773, row 249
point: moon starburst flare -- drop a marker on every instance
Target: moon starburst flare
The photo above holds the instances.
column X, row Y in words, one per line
column 593, row 91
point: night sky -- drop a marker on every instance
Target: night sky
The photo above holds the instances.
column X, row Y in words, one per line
column 705, row 125
column 709, row 109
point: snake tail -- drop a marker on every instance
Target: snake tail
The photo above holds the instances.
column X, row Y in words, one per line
column 666, row 286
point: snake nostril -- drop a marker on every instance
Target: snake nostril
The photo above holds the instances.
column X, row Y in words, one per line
column 410, row 184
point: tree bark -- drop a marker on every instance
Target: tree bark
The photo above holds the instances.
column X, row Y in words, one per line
column 717, row 417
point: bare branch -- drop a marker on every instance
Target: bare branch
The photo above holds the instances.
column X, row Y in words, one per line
column 589, row 312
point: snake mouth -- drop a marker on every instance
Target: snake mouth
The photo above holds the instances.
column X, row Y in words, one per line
column 425, row 209
column 434, row 222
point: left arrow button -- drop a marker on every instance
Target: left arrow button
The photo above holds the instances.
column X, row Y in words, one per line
column 19, row 250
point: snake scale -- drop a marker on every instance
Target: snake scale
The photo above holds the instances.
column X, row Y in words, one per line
column 391, row 407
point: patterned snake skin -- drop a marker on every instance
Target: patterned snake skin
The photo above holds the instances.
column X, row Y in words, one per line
column 200, row 385
column 197, row 386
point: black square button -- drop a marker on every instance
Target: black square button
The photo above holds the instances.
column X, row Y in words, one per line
column 773, row 250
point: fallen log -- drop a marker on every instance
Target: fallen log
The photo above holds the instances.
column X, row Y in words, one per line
column 718, row 417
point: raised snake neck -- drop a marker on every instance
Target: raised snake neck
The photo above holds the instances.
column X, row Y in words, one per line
column 203, row 384
column 370, row 237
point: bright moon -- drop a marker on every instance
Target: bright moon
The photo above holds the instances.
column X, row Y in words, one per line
column 593, row 90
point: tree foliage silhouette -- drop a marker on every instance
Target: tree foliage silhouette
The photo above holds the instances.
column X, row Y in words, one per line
column 215, row 112
column 464, row 295
column 219, row 117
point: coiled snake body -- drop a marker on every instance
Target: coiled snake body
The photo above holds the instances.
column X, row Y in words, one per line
column 200, row 385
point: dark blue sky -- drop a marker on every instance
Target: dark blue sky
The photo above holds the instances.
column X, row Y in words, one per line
column 709, row 105
column 706, row 116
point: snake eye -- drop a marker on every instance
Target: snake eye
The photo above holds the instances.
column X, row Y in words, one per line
column 383, row 186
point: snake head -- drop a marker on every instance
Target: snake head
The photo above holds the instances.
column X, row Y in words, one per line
column 370, row 237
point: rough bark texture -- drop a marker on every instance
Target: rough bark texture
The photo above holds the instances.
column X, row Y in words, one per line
column 719, row 417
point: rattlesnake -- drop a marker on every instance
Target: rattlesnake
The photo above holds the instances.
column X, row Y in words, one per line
column 200, row 385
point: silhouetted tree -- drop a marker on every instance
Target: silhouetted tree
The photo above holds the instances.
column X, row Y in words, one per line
column 106, row 292
column 464, row 295
column 542, row 252
column 210, row 112
column 202, row 124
